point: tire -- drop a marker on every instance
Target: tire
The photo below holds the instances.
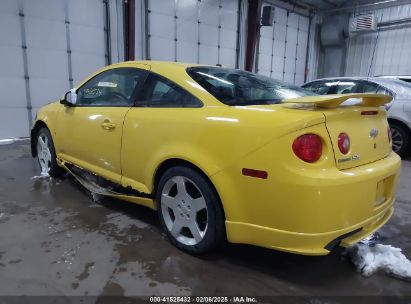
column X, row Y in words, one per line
column 400, row 139
column 189, row 211
column 46, row 154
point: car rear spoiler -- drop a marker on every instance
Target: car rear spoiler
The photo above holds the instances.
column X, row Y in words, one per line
column 334, row 100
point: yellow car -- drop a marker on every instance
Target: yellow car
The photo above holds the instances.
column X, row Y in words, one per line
column 224, row 154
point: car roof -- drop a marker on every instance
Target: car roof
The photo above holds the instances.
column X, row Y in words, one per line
column 338, row 78
column 158, row 63
column 395, row 76
column 399, row 87
column 376, row 79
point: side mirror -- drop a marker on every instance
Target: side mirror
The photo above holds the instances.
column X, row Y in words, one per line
column 70, row 98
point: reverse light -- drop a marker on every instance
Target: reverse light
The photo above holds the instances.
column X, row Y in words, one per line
column 344, row 143
column 389, row 134
column 308, row 147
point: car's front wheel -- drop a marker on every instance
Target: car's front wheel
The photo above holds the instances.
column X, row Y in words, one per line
column 46, row 154
column 400, row 139
column 189, row 211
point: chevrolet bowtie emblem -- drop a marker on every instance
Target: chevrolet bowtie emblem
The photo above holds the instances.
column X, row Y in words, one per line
column 373, row 133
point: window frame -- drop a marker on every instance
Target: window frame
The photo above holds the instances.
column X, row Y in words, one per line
column 139, row 96
column 133, row 96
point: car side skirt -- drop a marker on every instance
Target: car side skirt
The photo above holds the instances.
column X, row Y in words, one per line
column 98, row 185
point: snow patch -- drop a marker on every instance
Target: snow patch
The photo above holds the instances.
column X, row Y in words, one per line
column 371, row 239
column 96, row 197
column 43, row 175
column 8, row 141
column 369, row 258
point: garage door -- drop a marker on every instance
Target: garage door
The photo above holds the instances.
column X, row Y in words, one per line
column 282, row 47
column 43, row 52
column 195, row 31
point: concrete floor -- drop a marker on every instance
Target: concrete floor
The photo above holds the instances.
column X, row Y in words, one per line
column 56, row 241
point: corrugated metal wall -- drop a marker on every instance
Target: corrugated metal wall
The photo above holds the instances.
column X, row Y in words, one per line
column 195, row 31
column 46, row 47
column 385, row 52
column 282, row 47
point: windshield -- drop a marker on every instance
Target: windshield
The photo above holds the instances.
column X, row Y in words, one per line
column 239, row 88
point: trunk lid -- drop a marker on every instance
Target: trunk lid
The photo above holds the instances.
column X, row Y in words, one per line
column 364, row 121
column 368, row 135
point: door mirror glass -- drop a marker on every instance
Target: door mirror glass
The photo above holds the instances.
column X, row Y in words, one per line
column 70, row 98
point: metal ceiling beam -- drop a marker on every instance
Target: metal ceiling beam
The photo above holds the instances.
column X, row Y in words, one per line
column 329, row 2
column 382, row 3
column 290, row 6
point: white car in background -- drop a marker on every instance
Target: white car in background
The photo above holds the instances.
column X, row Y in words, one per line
column 405, row 78
column 399, row 110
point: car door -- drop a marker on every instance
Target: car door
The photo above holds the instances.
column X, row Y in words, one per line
column 154, row 127
column 90, row 132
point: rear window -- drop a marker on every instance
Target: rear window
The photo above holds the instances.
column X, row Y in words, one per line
column 240, row 88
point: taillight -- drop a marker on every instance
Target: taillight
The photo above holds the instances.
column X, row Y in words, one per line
column 308, row 147
column 344, row 143
column 389, row 134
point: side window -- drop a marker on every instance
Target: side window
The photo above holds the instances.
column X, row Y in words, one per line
column 160, row 92
column 112, row 88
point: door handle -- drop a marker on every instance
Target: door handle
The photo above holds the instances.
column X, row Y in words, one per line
column 108, row 125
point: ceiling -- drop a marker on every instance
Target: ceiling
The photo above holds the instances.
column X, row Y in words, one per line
column 325, row 5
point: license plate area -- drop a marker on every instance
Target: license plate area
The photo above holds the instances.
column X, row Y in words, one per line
column 381, row 193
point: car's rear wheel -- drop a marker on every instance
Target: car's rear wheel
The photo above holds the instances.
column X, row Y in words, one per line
column 400, row 139
column 189, row 211
column 46, row 154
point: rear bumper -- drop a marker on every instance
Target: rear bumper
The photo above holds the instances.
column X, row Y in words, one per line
column 306, row 243
column 308, row 211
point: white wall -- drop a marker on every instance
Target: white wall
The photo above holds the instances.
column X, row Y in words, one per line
column 193, row 31
column 391, row 46
column 46, row 46
column 13, row 104
column 282, row 47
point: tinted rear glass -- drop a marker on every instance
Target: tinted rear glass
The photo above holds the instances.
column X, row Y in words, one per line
column 240, row 88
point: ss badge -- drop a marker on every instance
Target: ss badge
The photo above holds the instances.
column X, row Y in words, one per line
column 356, row 157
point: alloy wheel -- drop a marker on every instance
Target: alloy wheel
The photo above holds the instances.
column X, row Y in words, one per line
column 397, row 140
column 184, row 210
column 43, row 153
